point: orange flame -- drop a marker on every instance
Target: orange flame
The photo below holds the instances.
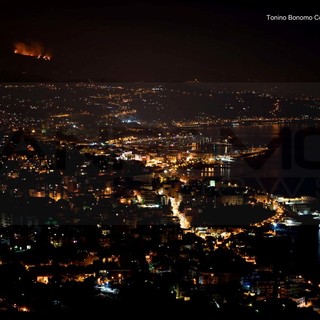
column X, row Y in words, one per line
column 32, row 50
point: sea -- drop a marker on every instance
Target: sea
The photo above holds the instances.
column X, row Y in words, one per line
column 292, row 170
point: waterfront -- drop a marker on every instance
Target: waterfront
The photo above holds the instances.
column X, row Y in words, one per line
column 272, row 174
column 273, row 178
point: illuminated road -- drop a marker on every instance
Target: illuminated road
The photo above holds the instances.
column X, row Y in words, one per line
column 175, row 202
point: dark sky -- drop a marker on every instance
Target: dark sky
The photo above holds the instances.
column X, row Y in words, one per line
column 159, row 41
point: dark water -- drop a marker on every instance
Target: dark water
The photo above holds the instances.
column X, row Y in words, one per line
column 292, row 169
column 282, row 174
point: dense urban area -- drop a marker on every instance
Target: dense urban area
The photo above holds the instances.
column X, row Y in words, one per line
column 119, row 197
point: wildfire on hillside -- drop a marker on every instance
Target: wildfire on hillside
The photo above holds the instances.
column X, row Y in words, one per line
column 32, row 50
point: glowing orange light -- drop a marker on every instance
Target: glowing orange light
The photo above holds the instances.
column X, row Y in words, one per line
column 32, row 50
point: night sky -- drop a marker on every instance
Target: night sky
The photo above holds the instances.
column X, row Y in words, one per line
column 159, row 41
